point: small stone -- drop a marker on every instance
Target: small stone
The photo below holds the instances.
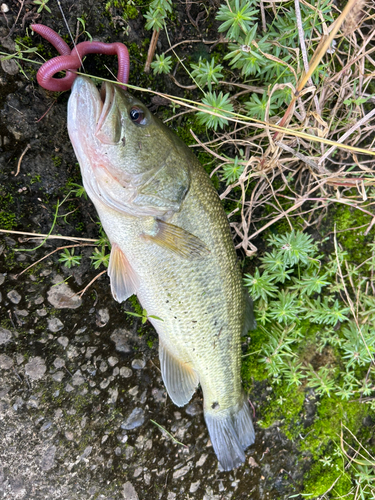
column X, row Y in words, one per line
column 181, row 472
column 58, row 376
column 252, row 462
column 90, row 351
column 159, row 395
column 138, row 471
column 59, row 363
column 39, row 300
column 135, row 419
column 21, row 312
column 202, row 459
column 5, row 362
column 129, row 492
column 78, row 378
column 48, row 459
column 194, row 486
column 5, row 336
column 14, row 296
column 69, row 435
column 116, row 371
column 138, row 364
column 62, row 296
column 35, row 368
column 4, row 8
column 112, row 361
column 102, row 317
column 125, row 372
column 54, row 325
column 134, row 390
column 121, row 337
column 41, row 312
column 33, row 402
column 193, row 409
column 64, row 341
column 113, row 393
column 69, row 388
column 103, row 366
column 171, row 496
column 105, row 383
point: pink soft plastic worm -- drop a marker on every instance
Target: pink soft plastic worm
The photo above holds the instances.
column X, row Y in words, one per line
column 71, row 60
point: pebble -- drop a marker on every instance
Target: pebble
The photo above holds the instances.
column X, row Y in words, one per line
column 59, row 363
column 194, row 486
column 21, row 312
column 14, row 296
column 120, row 338
column 5, row 362
column 103, row 366
column 202, row 459
column 181, row 472
column 134, row 420
column 78, row 378
column 58, row 376
column 102, row 317
column 134, row 390
column 54, row 325
column 113, row 393
column 90, row 351
column 35, row 368
column 64, row 341
column 62, row 296
column 193, row 409
column 138, row 364
column 5, row 336
column 41, row 312
column 129, row 492
column 125, row 372
column 112, row 361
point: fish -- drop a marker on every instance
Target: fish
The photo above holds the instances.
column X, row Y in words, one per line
column 171, row 245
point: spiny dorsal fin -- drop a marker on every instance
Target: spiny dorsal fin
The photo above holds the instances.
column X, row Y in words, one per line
column 124, row 281
column 178, row 241
column 179, row 379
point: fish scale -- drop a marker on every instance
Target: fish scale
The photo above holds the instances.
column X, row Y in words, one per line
column 172, row 246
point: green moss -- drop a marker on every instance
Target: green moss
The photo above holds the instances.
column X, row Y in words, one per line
column 320, row 479
column 7, row 215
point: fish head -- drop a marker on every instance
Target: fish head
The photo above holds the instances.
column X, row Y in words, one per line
column 127, row 156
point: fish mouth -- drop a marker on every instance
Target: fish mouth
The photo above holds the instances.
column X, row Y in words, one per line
column 108, row 128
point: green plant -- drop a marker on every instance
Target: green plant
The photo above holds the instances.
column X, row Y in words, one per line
column 157, row 13
column 215, row 103
column 69, row 259
column 206, row 73
column 162, row 64
column 43, row 5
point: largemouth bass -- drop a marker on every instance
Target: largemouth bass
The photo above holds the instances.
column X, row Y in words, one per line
column 171, row 245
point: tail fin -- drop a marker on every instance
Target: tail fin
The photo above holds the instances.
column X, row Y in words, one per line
column 231, row 432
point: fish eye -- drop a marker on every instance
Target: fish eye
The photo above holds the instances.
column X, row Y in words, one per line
column 137, row 115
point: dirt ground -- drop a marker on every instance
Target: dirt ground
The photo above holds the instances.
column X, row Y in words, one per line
column 80, row 386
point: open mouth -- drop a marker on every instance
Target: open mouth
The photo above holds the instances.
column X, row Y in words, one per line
column 108, row 128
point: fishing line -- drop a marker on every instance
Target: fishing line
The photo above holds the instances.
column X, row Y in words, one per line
column 70, row 33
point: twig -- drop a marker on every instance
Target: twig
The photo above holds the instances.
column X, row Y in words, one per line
column 20, row 160
column 48, row 237
column 151, row 50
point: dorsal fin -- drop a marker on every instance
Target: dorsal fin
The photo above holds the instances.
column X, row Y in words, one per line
column 124, row 281
column 180, row 379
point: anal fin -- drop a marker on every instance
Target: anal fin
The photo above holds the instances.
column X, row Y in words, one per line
column 124, row 281
column 180, row 379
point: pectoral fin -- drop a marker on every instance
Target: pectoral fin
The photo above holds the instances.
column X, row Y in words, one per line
column 177, row 240
column 124, row 281
column 249, row 323
column 180, row 379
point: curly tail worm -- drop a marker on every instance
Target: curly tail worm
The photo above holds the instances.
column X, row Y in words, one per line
column 71, row 60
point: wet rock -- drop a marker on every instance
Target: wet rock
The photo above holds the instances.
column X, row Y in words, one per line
column 62, row 296
column 134, row 420
column 138, row 364
column 55, row 325
column 14, row 296
column 35, row 368
column 129, row 492
column 121, row 338
column 5, row 362
column 48, row 459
